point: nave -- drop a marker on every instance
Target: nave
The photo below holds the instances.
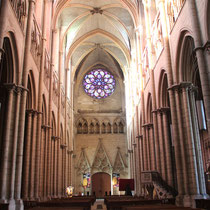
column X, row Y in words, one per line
column 93, row 92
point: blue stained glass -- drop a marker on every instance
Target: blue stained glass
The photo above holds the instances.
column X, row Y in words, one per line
column 99, row 83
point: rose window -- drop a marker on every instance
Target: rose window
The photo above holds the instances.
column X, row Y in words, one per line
column 99, row 83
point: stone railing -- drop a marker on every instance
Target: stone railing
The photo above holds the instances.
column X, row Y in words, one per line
column 157, row 36
column 145, row 62
column 55, row 93
column 68, row 107
column 62, row 100
column 19, row 7
column 173, row 10
column 36, row 42
column 46, row 70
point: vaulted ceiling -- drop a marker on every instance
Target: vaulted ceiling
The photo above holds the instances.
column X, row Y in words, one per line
column 96, row 31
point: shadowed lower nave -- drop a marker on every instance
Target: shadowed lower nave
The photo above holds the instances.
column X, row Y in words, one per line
column 95, row 91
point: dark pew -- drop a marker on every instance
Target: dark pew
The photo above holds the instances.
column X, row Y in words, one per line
column 78, row 201
column 119, row 203
column 203, row 203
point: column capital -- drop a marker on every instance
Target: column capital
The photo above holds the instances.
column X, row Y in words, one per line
column 130, row 151
column 134, row 144
column 139, row 137
column 29, row 111
column 165, row 109
column 148, row 125
column 174, row 87
column 55, row 138
column 54, row 30
column 21, row 88
column 185, row 85
column 46, row 127
column 63, row 146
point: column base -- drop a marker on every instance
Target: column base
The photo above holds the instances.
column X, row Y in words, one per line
column 179, row 200
column 19, row 205
column 12, row 204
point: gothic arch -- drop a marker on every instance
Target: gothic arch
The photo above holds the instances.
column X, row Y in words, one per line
column 149, row 108
column 61, row 134
column 163, row 98
column 68, row 139
column 44, row 110
column 53, row 124
column 9, row 65
column 188, row 61
column 82, row 126
column 31, row 97
column 8, row 77
column 118, row 125
column 184, row 40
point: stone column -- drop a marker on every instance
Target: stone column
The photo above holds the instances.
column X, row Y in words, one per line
column 59, row 162
column 40, row 92
column 19, row 161
column 46, row 153
column 182, row 170
column 5, row 147
column 151, row 66
column 15, row 142
column 139, row 146
column 135, row 165
column 42, row 161
column 49, row 165
column 52, row 166
column 168, row 150
column 145, row 149
column 55, row 157
column 174, row 110
column 162, row 145
column 192, row 164
column 33, row 156
column 152, row 148
column 148, row 147
column 197, row 143
column 202, row 65
column 27, row 155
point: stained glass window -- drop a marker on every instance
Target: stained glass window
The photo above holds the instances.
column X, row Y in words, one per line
column 99, row 83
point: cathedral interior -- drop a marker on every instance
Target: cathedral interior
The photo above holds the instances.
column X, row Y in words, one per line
column 93, row 92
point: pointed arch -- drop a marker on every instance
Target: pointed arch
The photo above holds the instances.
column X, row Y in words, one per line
column 31, row 97
column 44, row 110
column 53, row 124
column 163, row 98
column 61, row 134
column 149, row 108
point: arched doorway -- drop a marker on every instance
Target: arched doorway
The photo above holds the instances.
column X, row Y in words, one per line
column 101, row 183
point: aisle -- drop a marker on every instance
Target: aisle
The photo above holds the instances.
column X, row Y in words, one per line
column 99, row 204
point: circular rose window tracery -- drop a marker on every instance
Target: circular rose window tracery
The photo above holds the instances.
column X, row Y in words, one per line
column 99, row 83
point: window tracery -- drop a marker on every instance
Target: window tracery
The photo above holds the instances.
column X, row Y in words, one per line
column 99, row 83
